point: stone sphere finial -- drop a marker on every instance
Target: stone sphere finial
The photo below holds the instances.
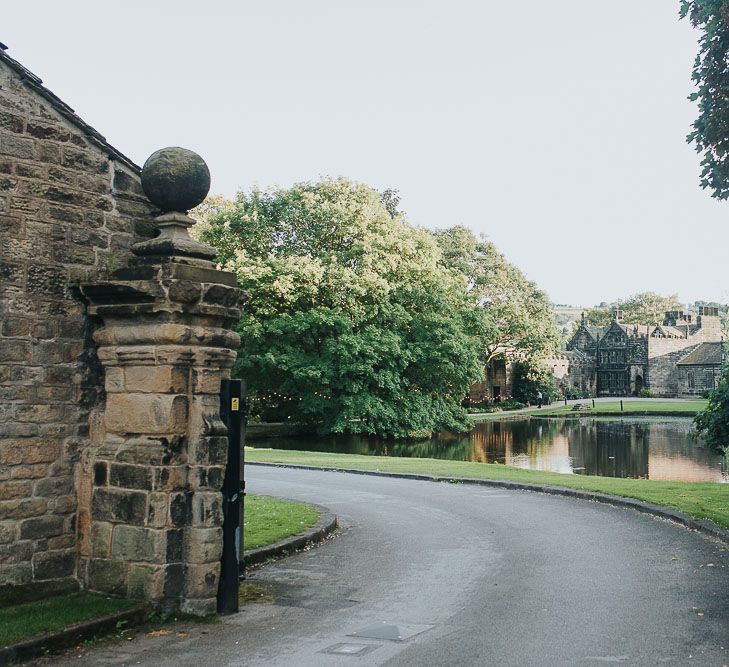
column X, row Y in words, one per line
column 175, row 179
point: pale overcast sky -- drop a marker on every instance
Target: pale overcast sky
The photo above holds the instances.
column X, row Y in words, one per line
column 555, row 128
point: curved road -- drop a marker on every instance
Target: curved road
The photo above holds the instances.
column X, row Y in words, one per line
column 492, row 577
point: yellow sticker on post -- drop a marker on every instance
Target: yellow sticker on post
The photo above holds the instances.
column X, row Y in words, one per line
column 235, row 404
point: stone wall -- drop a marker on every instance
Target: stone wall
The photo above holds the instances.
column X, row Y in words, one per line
column 662, row 377
column 572, row 371
column 70, row 208
column 695, row 381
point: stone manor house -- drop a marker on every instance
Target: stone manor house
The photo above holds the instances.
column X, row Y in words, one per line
column 681, row 357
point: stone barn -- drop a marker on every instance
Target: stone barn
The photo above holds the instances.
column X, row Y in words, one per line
column 112, row 347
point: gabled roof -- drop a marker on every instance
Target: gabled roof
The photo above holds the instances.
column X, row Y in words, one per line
column 706, row 354
column 35, row 83
column 668, row 331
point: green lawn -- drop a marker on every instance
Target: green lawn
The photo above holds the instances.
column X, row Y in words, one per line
column 34, row 618
column 702, row 500
column 612, row 408
column 267, row 520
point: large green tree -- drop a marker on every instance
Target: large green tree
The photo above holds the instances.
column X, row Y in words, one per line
column 646, row 308
column 713, row 423
column 710, row 130
column 518, row 315
column 354, row 324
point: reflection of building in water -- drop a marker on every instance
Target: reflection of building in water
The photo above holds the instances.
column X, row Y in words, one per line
column 627, row 448
column 609, row 449
column 683, row 469
column 492, row 442
column 673, row 457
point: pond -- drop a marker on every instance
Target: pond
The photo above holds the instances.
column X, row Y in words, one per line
column 636, row 447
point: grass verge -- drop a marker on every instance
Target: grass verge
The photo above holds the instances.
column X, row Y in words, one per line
column 29, row 619
column 606, row 408
column 701, row 500
column 267, row 520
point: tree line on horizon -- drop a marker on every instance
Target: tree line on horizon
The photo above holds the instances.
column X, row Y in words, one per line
column 358, row 321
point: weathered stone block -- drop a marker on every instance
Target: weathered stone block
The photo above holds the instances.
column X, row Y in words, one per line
column 142, row 413
column 35, row 471
column 16, row 326
column 28, row 450
column 131, row 543
column 14, row 350
column 222, row 295
column 101, row 539
column 171, row 478
column 203, row 545
column 16, row 147
column 47, row 281
column 130, row 476
column 174, row 580
column 41, row 527
column 158, row 506
column 108, row 576
column 181, row 509
column 54, row 564
column 83, row 160
column 155, row 379
column 67, row 541
column 39, row 413
column 15, row 553
column 21, row 509
column 119, row 506
column 114, row 379
column 16, row 574
column 175, row 545
column 7, row 532
column 201, row 580
column 146, row 582
column 54, row 487
column 11, row 122
column 206, row 381
column 47, row 131
column 207, row 509
column 12, row 490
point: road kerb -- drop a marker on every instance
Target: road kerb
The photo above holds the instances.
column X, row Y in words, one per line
column 324, row 527
column 703, row 526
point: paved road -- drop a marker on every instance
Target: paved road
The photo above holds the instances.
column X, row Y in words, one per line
column 503, row 578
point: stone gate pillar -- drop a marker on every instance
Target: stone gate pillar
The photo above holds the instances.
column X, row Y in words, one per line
column 150, row 496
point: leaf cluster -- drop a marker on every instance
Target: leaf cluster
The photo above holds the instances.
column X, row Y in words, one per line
column 647, row 308
column 353, row 323
column 713, row 422
column 518, row 315
column 710, row 133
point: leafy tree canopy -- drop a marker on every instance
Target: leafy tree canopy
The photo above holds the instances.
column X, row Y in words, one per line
column 518, row 314
column 713, row 423
column 646, row 308
column 354, row 323
column 710, row 133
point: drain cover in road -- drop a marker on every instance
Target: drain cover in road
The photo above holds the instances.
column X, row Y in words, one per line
column 393, row 631
column 350, row 649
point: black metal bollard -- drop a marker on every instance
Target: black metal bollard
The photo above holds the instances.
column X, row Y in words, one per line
column 230, row 412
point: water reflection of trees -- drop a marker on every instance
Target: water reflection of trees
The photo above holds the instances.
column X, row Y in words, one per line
column 624, row 448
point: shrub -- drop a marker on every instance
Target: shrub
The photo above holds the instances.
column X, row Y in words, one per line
column 645, row 393
column 512, row 404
